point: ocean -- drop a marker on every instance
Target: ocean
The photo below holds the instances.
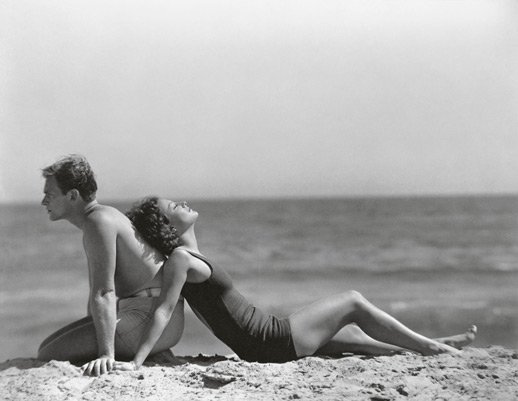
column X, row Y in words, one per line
column 437, row 264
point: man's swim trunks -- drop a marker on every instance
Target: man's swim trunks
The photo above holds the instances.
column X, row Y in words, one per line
column 249, row 332
column 133, row 316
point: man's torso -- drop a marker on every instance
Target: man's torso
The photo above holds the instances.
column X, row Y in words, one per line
column 137, row 264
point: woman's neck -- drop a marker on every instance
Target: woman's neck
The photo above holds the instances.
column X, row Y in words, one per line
column 188, row 240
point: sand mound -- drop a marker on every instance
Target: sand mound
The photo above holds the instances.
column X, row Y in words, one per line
column 480, row 374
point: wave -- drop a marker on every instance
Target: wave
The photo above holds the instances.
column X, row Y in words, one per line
column 398, row 306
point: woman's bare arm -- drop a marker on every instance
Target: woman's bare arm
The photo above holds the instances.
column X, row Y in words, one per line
column 175, row 275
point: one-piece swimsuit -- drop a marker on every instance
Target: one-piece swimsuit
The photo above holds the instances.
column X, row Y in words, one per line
column 252, row 334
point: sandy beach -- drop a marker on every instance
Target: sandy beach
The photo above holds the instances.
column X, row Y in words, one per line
column 476, row 374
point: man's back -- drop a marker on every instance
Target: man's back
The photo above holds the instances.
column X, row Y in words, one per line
column 137, row 264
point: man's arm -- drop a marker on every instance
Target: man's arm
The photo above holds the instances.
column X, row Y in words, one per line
column 100, row 235
column 88, row 310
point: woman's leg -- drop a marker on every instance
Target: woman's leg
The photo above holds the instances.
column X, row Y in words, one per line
column 314, row 326
column 352, row 339
column 460, row 340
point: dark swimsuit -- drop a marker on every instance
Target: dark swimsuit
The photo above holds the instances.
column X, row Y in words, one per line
column 253, row 335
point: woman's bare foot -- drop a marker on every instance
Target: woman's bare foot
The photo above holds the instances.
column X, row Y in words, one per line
column 435, row 348
column 460, row 340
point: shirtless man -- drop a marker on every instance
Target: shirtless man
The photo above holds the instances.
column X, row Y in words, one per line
column 124, row 273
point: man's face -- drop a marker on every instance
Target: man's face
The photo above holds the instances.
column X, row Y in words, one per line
column 55, row 201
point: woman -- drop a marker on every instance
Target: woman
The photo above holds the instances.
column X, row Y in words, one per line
column 342, row 323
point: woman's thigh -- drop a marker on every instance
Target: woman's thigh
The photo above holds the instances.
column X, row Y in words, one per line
column 352, row 339
column 315, row 325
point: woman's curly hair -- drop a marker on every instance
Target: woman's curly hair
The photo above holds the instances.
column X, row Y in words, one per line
column 153, row 225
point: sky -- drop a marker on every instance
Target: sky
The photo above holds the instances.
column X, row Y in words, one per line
column 243, row 99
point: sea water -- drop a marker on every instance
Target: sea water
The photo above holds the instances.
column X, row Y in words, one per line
column 437, row 264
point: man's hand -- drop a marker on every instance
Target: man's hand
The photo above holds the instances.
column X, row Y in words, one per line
column 98, row 366
column 127, row 366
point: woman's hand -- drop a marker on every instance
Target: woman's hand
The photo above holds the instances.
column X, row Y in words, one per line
column 125, row 366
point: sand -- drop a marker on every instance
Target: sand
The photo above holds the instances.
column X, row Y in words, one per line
column 476, row 374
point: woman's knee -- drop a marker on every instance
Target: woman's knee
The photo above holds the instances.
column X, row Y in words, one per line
column 355, row 300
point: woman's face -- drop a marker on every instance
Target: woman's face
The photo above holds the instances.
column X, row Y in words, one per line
column 180, row 215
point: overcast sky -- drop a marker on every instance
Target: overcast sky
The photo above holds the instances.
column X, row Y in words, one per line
column 210, row 99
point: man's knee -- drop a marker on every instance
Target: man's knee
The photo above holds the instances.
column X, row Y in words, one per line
column 46, row 348
column 44, row 353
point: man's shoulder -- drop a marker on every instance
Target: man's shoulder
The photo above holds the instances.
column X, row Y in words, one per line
column 105, row 216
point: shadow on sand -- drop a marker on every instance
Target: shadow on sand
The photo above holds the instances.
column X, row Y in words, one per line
column 21, row 363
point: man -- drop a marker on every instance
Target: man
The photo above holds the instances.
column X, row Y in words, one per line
column 124, row 274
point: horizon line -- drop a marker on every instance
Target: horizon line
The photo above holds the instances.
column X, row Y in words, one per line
column 299, row 198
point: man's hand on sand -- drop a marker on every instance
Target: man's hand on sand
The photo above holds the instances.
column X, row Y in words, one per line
column 98, row 366
column 127, row 366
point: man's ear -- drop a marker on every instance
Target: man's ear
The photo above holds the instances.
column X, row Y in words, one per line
column 73, row 195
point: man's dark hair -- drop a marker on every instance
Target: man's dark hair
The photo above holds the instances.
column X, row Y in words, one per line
column 73, row 172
